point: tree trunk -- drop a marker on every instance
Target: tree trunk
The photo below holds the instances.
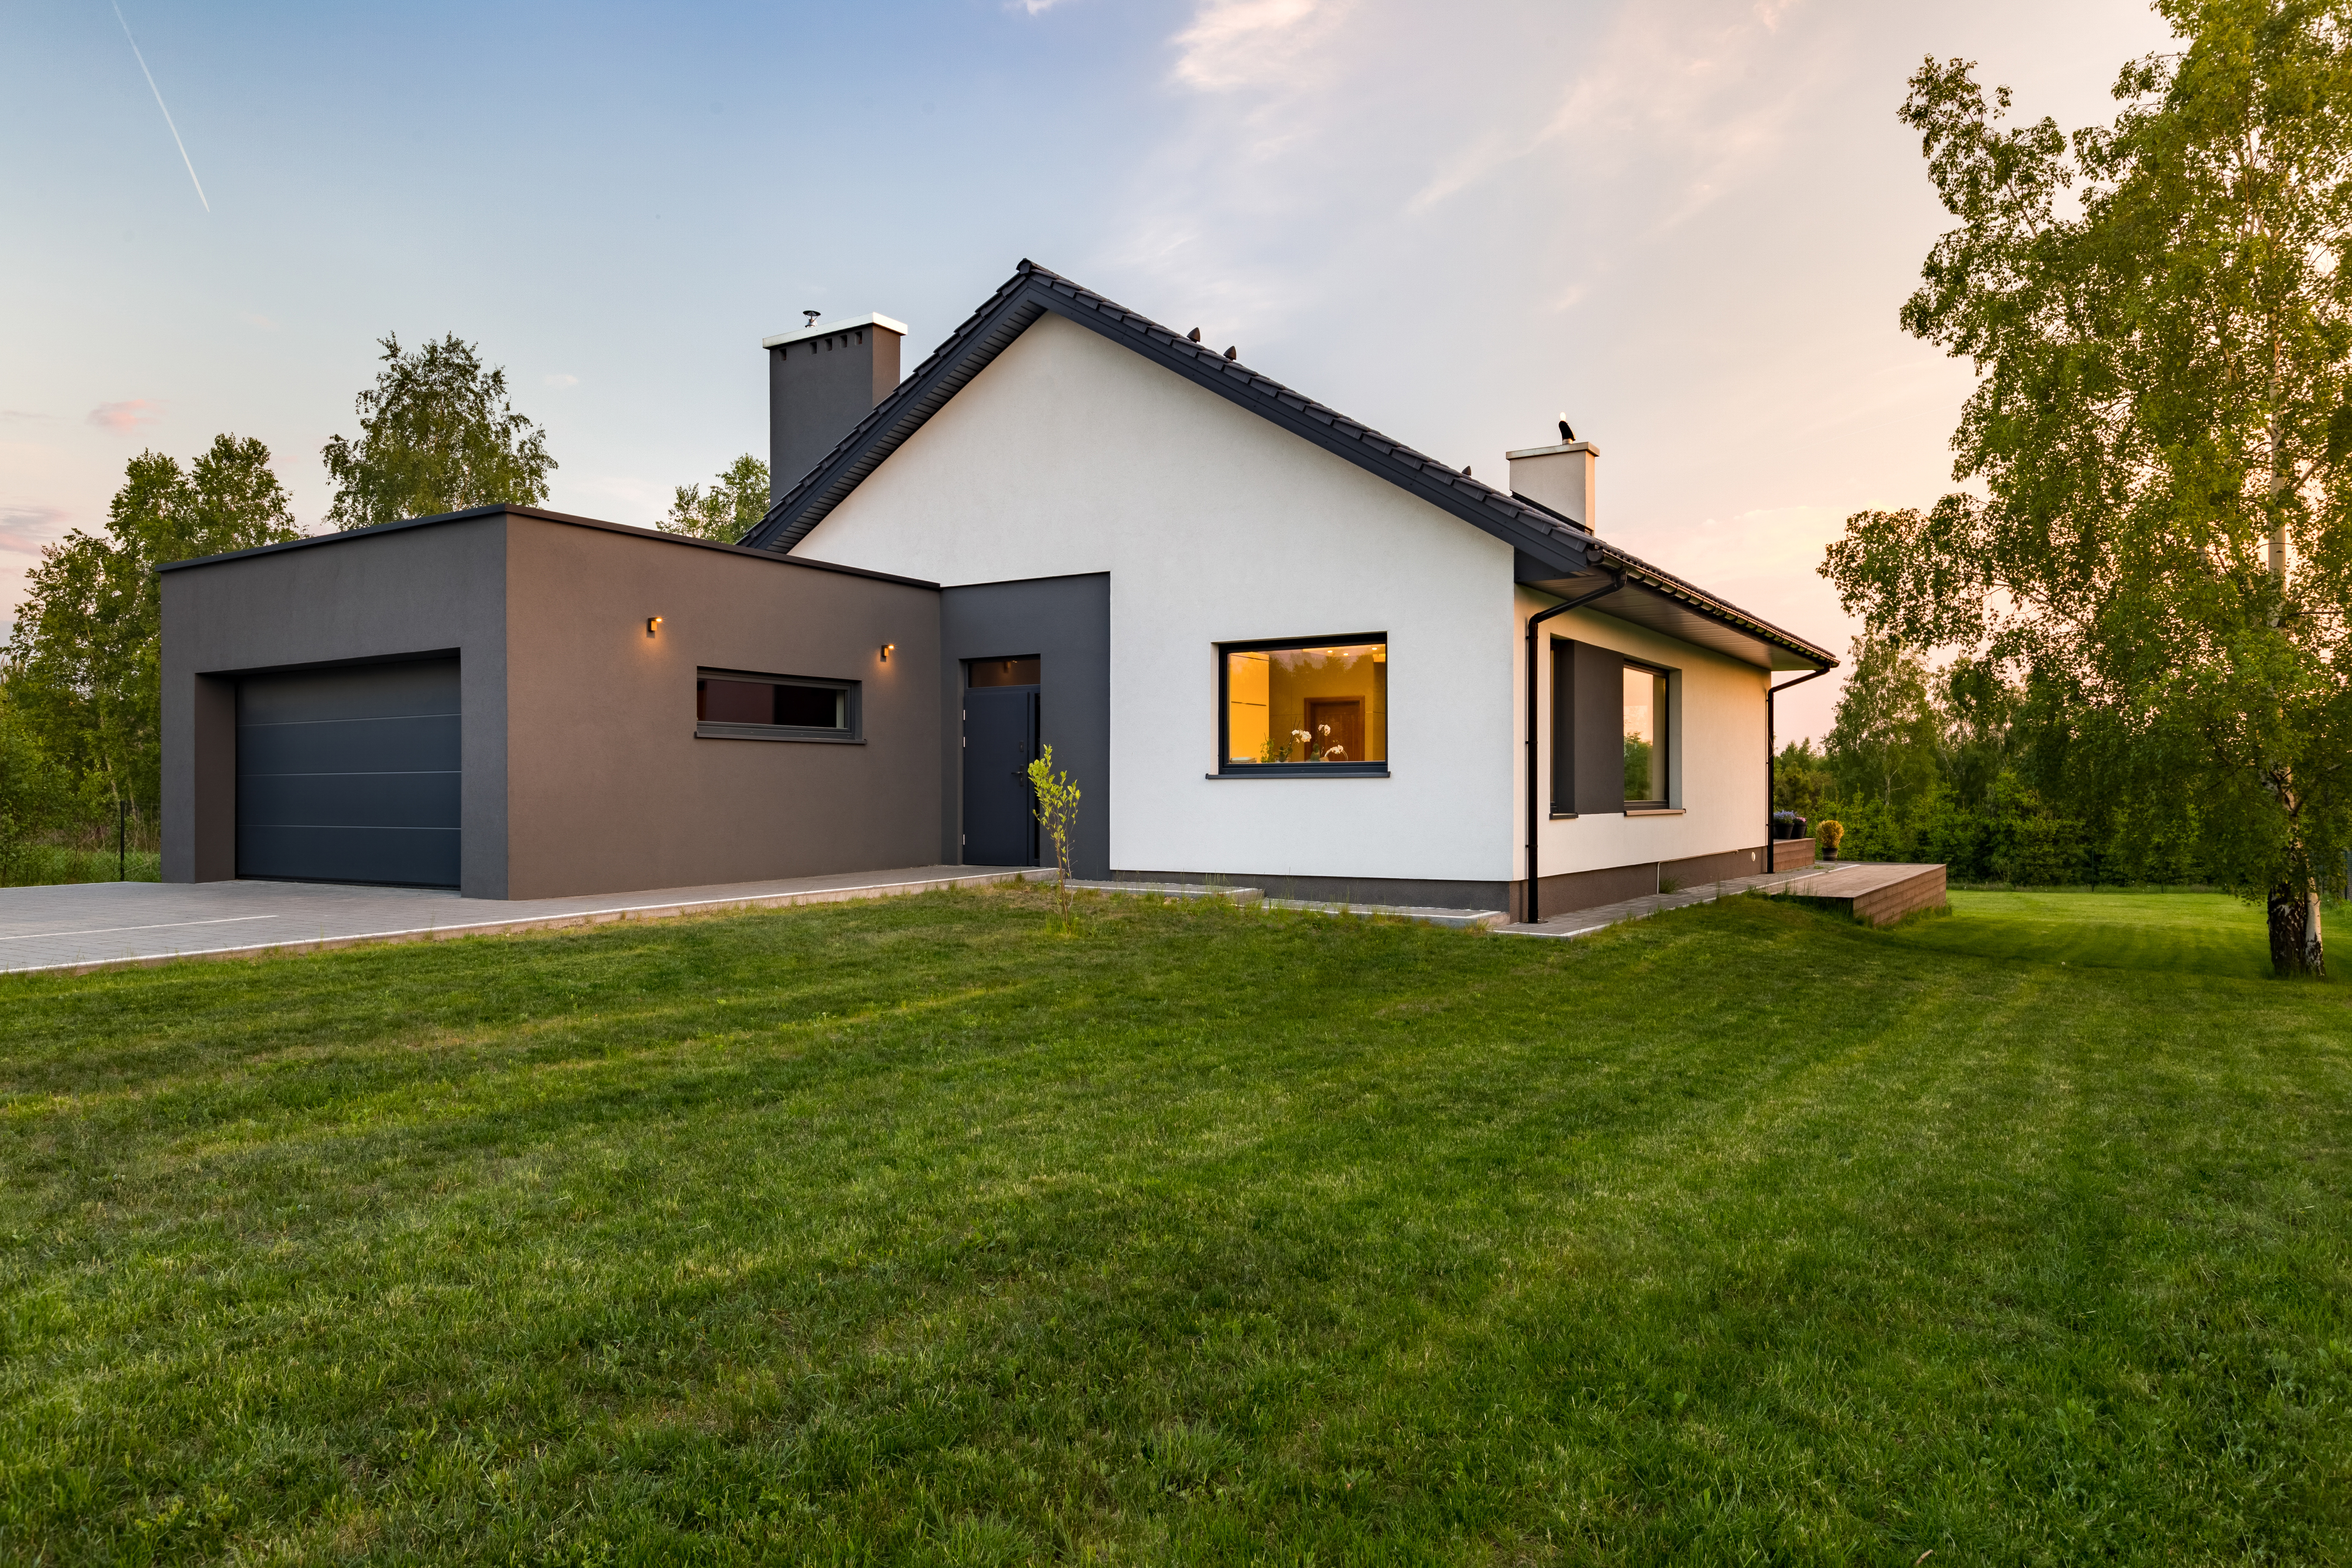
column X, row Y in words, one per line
column 2294, row 930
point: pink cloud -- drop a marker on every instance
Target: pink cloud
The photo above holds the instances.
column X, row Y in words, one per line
column 124, row 417
column 24, row 530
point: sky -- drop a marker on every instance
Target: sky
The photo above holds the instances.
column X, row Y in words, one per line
column 1687, row 224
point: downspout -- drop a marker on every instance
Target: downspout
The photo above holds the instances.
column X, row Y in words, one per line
column 1531, row 913
column 1772, row 760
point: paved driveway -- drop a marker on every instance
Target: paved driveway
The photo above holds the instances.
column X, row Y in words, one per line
column 90, row 926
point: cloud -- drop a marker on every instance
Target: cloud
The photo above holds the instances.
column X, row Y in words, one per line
column 1032, row 7
column 123, row 418
column 1237, row 44
column 16, row 414
column 560, row 379
column 256, row 319
column 24, row 530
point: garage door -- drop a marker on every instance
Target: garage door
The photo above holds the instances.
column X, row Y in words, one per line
column 350, row 775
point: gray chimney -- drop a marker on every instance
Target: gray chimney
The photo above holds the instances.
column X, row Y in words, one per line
column 822, row 380
column 1558, row 477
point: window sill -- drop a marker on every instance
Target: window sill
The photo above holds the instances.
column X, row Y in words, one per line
column 775, row 733
column 1564, row 815
column 1306, row 771
column 1653, row 811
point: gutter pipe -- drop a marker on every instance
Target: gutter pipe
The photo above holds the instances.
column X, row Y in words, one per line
column 1771, row 758
column 1618, row 581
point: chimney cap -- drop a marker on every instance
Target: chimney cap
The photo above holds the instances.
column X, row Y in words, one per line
column 826, row 328
column 1553, row 450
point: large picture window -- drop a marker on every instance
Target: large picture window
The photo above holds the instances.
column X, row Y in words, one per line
column 1304, row 707
column 735, row 705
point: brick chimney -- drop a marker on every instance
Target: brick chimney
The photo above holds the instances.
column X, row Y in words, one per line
column 822, row 380
column 1558, row 477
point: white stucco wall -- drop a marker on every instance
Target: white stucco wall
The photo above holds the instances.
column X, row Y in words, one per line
column 1715, row 750
column 1070, row 454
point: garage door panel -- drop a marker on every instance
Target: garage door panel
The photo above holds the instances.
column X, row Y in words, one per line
column 424, row 744
column 358, row 691
column 344, row 800
column 350, row 776
column 410, row 856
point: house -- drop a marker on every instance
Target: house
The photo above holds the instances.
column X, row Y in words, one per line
column 1270, row 644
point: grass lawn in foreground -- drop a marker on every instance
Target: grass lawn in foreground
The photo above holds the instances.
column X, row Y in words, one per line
column 907, row 1231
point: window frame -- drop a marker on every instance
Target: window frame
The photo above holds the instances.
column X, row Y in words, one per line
column 1661, row 746
column 852, row 732
column 1229, row 769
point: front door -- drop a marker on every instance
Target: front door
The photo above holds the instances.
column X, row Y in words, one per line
column 1000, row 737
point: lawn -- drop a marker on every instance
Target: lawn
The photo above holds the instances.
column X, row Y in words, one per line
column 908, row 1232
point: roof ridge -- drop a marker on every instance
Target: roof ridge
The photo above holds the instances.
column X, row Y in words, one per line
column 1028, row 273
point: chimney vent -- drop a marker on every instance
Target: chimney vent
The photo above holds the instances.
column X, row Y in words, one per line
column 1558, row 477
column 822, row 380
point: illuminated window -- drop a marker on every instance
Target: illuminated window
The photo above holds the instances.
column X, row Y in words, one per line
column 1304, row 707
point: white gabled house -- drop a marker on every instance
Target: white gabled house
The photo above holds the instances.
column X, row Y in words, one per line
column 1280, row 580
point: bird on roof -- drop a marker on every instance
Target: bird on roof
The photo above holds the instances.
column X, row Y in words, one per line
column 1565, row 432
column 1232, row 352
column 1196, row 334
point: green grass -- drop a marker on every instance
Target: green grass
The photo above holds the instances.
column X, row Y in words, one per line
column 2160, row 933
column 903, row 1231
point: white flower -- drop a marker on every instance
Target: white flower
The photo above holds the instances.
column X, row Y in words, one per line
column 1301, row 736
column 1322, row 729
column 1336, row 754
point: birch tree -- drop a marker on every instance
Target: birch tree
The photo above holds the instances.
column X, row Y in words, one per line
column 2159, row 313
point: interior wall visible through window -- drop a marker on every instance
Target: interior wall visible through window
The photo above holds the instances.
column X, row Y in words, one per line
column 1314, row 705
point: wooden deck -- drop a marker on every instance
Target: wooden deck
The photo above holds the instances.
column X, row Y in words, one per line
column 1879, row 894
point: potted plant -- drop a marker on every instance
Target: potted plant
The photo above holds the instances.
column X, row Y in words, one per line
column 1832, row 835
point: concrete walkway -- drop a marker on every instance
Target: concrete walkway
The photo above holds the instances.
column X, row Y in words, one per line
column 103, row 925
column 1584, row 922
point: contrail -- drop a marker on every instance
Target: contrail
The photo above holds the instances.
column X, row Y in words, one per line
column 158, row 92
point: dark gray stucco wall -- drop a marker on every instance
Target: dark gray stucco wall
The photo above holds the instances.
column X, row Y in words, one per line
column 818, row 389
column 1066, row 622
column 370, row 597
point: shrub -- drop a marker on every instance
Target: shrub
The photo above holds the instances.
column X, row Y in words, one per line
column 1831, row 834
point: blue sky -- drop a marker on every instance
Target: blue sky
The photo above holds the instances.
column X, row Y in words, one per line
column 1687, row 224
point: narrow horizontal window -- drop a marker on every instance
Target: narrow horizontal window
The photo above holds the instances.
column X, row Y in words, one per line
column 1320, row 706
column 1017, row 672
column 731, row 705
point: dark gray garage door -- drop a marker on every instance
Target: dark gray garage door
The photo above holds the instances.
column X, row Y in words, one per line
column 350, row 775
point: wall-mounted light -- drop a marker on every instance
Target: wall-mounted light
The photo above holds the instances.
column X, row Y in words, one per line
column 886, row 648
column 653, row 625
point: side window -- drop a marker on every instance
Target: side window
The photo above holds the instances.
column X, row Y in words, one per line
column 736, row 705
column 1610, row 731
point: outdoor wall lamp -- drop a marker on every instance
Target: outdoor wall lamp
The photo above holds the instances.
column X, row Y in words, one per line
column 886, row 651
column 653, row 625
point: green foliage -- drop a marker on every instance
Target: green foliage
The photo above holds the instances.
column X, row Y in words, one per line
column 2160, row 315
column 1801, row 780
column 1055, row 799
column 1637, row 769
column 728, row 511
column 84, row 663
column 858, row 1233
column 1883, row 741
column 32, row 793
column 1832, row 835
column 437, row 434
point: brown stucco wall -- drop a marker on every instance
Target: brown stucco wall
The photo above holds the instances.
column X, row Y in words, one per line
column 609, row 788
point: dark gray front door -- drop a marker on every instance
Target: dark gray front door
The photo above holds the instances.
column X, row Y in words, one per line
column 1000, row 737
column 350, row 775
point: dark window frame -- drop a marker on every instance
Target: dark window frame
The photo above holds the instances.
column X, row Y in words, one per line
column 852, row 732
column 1662, row 748
column 1564, row 726
column 1228, row 768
